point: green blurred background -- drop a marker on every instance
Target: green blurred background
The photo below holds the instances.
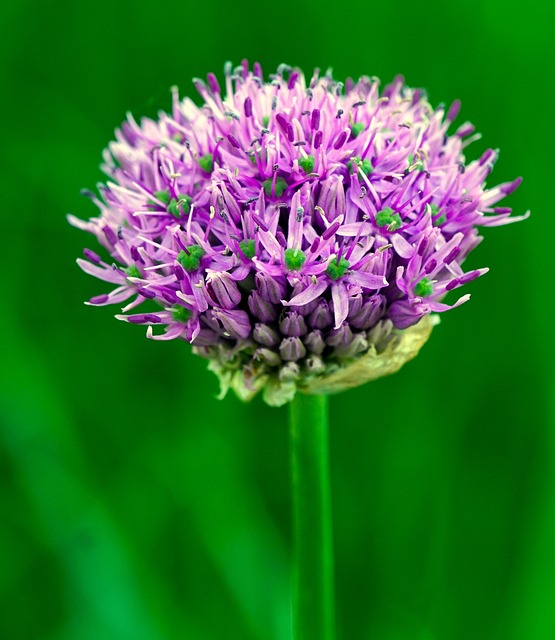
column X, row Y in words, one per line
column 133, row 504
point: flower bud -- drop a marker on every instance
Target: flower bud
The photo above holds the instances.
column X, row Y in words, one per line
column 271, row 289
column 369, row 312
column 403, row 314
column 289, row 372
column 321, row 317
column 359, row 344
column 268, row 356
column 292, row 324
column 261, row 308
column 235, row 323
column 314, row 342
column 340, row 337
column 292, row 349
column 205, row 338
column 265, row 335
column 224, row 290
column 315, row 365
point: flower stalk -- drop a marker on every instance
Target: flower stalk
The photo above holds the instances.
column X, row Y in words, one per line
column 313, row 592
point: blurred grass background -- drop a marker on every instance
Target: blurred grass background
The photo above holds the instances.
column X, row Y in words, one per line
column 135, row 506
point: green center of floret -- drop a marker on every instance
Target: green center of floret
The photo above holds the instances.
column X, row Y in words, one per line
column 434, row 211
column 336, row 268
column 248, row 248
column 265, row 120
column 181, row 314
column 357, row 129
column 307, row 164
column 184, row 201
column 132, row 271
column 423, row 288
column 163, row 195
column 294, row 259
column 206, row 163
column 279, row 187
column 190, row 259
column 387, row 218
column 364, row 165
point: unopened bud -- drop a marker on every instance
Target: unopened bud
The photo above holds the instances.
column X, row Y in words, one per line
column 292, row 349
column 314, row 342
column 265, row 335
column 292, row 324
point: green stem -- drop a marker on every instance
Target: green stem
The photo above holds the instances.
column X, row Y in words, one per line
column 313, row 603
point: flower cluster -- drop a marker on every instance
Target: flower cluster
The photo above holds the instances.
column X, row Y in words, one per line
column 287, row 229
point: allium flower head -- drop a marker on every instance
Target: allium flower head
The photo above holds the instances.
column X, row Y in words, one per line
column 298, row 234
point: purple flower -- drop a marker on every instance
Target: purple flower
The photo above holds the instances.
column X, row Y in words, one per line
column 286, row 228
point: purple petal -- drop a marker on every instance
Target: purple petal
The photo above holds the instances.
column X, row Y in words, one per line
column 308, row 295
column 367, row 280
column 108, row 275
column 340, row 303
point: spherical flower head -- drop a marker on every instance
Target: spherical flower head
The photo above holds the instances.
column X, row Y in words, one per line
column 297, row 233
